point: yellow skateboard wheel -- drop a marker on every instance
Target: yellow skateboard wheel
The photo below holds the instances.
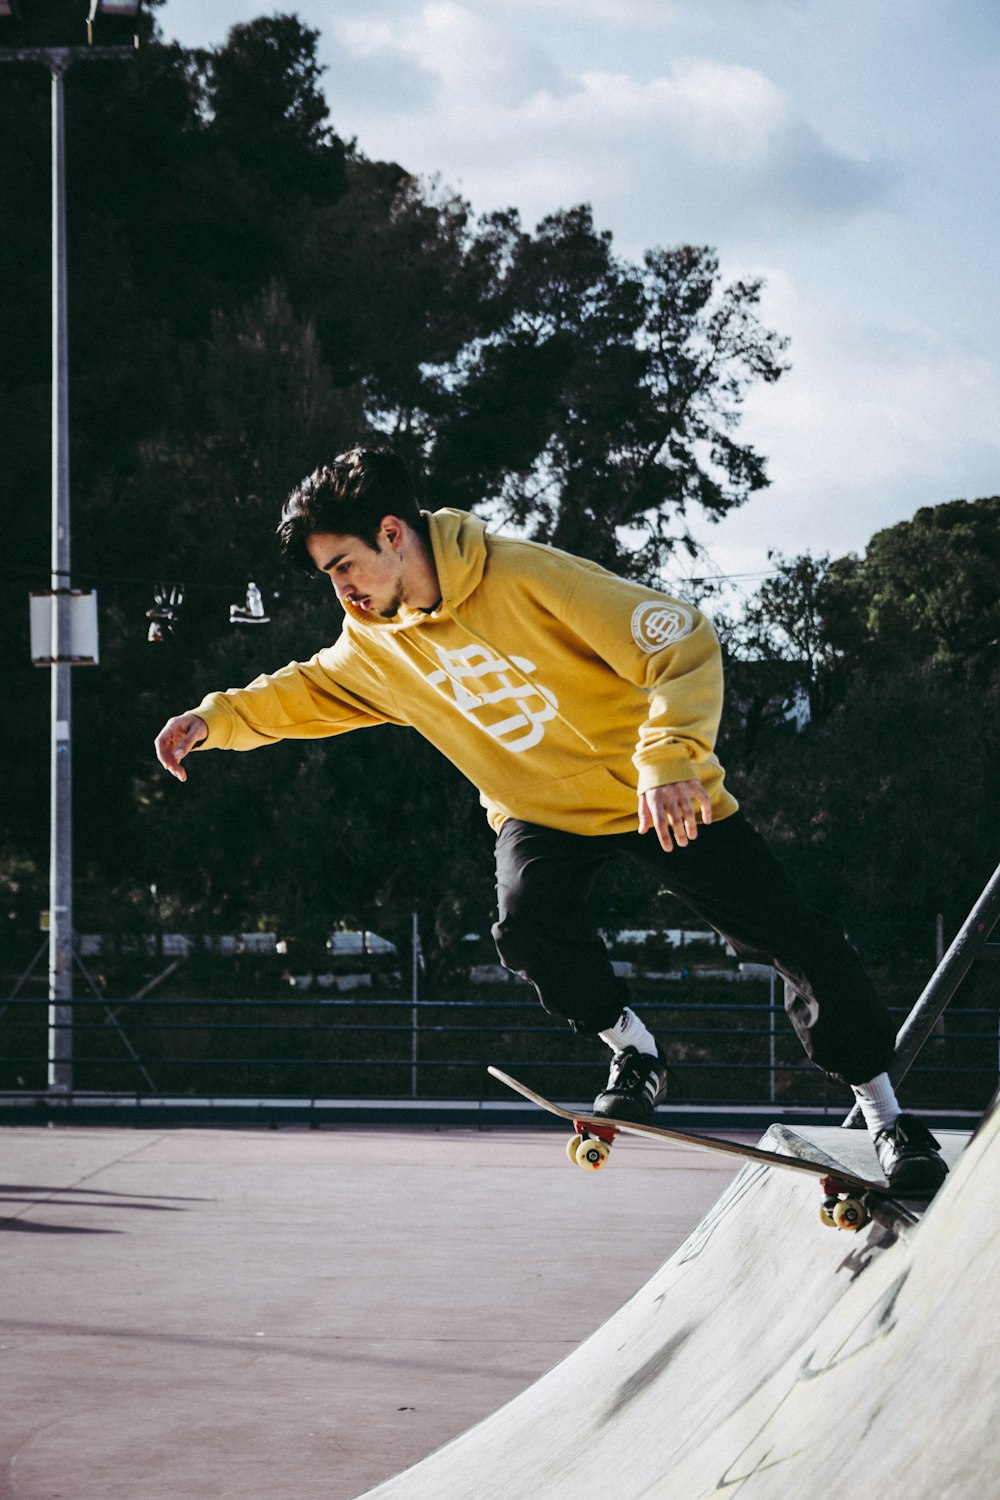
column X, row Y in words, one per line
column 850, row 1214
column 571, row 1145
column 592, row 1155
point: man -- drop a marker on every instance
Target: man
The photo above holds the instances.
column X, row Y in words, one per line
column 585, row 709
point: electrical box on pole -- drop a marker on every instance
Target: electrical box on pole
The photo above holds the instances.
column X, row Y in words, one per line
column 81, row 650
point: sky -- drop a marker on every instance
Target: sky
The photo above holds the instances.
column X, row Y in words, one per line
column 845, row 150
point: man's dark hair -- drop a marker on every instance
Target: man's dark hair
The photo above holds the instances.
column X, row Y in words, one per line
column 349, row 496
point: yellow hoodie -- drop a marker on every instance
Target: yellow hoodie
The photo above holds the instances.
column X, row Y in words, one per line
column 560, row 690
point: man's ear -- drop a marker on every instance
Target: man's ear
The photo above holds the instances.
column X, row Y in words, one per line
column 392, row 529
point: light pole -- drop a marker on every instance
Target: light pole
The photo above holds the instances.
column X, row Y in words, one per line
column 65, row 646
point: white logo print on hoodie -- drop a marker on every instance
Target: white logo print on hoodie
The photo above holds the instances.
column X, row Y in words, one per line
column 534, row 704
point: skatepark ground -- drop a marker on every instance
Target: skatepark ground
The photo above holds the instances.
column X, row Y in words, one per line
column 296, row 1315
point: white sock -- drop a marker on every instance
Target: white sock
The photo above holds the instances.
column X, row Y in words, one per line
column 629, row 1031
column 878, row 1102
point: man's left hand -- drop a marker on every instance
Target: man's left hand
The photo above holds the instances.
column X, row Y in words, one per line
column 671, row 811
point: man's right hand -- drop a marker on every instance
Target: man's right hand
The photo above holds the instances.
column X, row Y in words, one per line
column 176, row 738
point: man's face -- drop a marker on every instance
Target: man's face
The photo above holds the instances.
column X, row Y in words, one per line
column 371, row 581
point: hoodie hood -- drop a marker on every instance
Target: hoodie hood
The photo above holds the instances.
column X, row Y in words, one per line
column 458, row 541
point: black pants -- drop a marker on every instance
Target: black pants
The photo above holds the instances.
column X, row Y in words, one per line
column 728, row 876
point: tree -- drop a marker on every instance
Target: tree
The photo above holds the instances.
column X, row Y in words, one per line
column 268, row 110
column 930, row 587
column 600, row 407
column 785, row 623
column 927, row 589
column 866, row 812
column 396, row 276
column 865, row 804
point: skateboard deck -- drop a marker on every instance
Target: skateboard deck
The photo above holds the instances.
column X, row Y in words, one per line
column 847, row 1197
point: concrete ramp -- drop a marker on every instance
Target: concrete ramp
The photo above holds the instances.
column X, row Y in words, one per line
column 770, row 1357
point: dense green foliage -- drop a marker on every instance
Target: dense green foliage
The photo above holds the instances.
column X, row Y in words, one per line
column 886, row 805
column 250, row 293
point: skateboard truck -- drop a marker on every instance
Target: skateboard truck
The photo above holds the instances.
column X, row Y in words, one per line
column 842, row 1207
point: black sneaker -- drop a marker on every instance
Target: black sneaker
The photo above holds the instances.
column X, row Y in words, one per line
column 637, row 1083
column 908, row 1155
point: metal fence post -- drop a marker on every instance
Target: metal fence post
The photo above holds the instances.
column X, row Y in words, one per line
column 415, row 1000
column 772, row 1029
column 60, row 1070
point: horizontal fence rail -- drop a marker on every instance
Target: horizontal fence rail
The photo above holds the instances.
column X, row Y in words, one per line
column 721, row 1053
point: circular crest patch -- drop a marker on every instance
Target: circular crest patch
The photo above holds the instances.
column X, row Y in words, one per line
column 659, row 623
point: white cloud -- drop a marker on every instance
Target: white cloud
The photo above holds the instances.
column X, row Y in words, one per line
column 873, row 403
column 628, row 17
column 719, row 144
column 728, row 114
column 473, row 61
column 874, row 420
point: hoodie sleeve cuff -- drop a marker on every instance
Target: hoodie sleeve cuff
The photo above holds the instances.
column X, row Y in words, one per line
column 219, row 719
column 666, row 773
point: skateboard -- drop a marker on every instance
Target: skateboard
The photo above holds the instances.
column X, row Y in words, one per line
column 847, row 1199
